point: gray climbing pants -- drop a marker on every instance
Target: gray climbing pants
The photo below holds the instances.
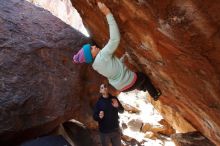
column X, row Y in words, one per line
column 113, row 138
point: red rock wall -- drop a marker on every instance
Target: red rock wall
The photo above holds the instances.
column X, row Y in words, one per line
column 175, row 42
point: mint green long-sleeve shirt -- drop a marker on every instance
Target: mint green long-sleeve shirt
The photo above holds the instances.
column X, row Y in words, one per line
column 105, row 63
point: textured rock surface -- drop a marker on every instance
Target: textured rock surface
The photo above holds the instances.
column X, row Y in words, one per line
column 177, row 43
column 80, row 134
column 135, row 124
column 40, row 87
column 191, row 139
column 174, row 118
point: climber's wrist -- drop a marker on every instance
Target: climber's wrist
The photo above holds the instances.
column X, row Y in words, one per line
column 103, row 8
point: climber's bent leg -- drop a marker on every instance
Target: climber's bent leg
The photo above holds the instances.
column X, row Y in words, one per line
column 144, row 83
column 147, row 85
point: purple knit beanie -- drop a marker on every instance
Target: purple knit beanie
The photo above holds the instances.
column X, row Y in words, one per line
column 84, row 55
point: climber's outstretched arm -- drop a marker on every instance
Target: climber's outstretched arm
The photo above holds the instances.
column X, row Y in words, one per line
column 114, row 40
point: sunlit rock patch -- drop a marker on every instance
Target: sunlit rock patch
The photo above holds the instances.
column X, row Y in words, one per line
column 141, row 123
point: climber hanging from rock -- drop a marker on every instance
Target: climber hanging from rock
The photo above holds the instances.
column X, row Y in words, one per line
column 108, row 65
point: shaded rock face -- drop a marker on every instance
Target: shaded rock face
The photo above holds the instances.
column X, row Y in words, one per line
column 40, row 87
column 177, row 44
column 191, row 139
column 80, row 135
